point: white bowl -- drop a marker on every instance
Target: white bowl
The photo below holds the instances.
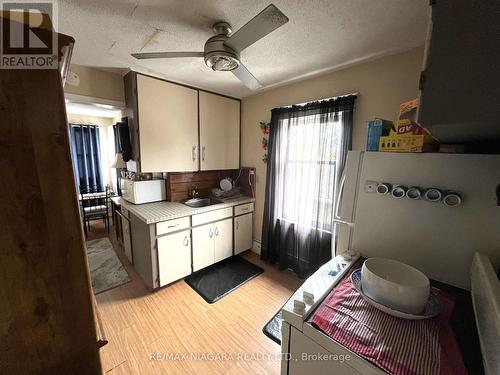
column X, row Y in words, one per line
column 395, row 284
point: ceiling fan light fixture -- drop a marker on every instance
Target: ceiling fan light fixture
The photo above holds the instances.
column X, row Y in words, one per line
column 222, row 61
column 222, row 51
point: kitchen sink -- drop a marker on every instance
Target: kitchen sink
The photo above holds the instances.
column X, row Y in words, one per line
column 201, row 202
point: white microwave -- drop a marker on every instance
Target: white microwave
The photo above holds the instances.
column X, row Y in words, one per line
column 138, row 192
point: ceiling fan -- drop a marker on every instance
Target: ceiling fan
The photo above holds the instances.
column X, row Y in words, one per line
column 222, row 51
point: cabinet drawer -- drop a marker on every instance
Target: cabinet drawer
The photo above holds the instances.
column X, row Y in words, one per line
column 208, row 217
column 243, row 209
column 222, row 214
column 172, row 225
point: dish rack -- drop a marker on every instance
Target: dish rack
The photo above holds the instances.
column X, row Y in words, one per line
column 221, row 194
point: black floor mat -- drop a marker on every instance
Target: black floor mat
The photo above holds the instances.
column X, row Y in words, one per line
column 273, row 328
column 220, row 279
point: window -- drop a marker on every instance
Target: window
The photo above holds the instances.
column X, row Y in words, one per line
column 308, row 176
column 85, row 148
column 308, row 147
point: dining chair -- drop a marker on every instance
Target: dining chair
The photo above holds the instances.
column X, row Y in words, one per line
column 94, row 205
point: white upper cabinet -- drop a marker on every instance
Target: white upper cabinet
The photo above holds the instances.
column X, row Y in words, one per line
column 168, row 126
column 174, row 128
column 219, row 132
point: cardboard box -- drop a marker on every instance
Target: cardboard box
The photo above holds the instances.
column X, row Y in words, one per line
column 408, row 136
column 408, row 110
column 404, row 136
column 377, row 128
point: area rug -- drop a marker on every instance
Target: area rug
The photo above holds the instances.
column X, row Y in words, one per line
column 106, row 270
column 214, row 282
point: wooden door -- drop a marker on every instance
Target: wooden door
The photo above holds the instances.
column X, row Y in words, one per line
column 242, row 233
column 219, row 132
column 203, row 246
column 174, row 256
column 168, row 126
column 223, row 239
column 47, row 317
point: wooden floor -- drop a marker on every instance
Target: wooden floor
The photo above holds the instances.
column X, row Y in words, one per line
column 176, row 321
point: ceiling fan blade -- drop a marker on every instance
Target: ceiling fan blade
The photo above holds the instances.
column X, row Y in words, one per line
column 247, row 78
column 166, row 55
column 258, row 27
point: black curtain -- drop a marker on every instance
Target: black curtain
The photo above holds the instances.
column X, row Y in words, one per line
column 116, row 135
column 306, row 155
column 122, row 145
column 85, row 147
column 118, row 149
column 123, row 140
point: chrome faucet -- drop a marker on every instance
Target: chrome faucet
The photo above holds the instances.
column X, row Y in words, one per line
column 194, row 193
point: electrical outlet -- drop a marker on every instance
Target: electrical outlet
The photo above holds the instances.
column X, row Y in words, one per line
column 371, row 186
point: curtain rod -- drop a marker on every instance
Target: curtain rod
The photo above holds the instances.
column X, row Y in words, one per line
column 320, row 100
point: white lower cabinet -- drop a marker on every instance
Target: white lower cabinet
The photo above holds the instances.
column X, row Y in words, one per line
column 203, row 246
column 174, row 256
column 212, row 243
column 243, row 233
column 188, row 244
column 223, row 239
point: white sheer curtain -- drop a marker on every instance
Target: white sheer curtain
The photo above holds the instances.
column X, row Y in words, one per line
column 307, row 181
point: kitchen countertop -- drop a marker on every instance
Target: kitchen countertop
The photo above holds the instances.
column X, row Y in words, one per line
column 155, row 212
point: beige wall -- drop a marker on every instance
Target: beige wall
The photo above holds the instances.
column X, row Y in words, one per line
column 381, row 85
column 97, row 84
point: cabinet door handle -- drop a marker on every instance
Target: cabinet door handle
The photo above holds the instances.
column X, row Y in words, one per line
column 173, row 226
column 203, row 153
column 216, row 231
column 186, row 241
column 193, row 153
column 237, row 225
column 210, row 233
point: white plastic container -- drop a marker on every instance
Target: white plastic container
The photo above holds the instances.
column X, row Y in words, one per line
column 395, row 284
